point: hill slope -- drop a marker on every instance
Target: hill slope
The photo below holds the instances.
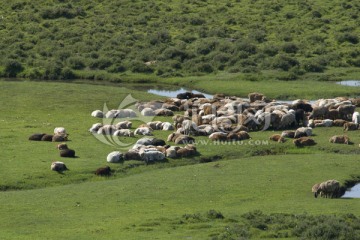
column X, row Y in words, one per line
column 67, row 39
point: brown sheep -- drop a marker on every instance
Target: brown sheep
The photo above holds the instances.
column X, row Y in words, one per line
column 256, row 97
column 104, row 171
column 67, row 153
column 36, row 136
column 184, row 139
column 339, row 139
column 218, row 136
column 288, row 134
column 304, row 141
column 339, row 122
column 62, row 146
column 132, row 155
column 186, row 151
column 277, row 138
column 350, row 126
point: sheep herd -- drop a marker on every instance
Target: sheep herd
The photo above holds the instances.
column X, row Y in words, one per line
column 222, row 118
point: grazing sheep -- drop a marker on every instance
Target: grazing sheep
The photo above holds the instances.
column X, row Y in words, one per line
column 288, row 134
column 303, row 132
column 123, row 125
column 318, row 112
column 146, row 131
column 350, row 126
column 329, row 189
column 60, row 130
column 115, row 157
column 304, row 141
column 124, row 132
column 97, row 114
column 339, row 139
column 47, row 137
column 58, row 166
column 36, row 136
column 60, row 138
column 67, row 153
column 315, row 188
column 104, row 171
column 277, row 138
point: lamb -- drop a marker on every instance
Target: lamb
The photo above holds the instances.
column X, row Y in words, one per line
column 36, row 136
column 104, row 171
column 304, row 141
column 356, row 117
column 329, row 188
column 339, row 139
column 97, row 114
column 58, row 166
column 115, row 157
column 277, row 138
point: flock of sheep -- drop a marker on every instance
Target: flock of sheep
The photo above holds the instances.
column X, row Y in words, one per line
column 222, row 118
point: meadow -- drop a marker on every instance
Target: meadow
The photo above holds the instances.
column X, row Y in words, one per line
column 256, row 189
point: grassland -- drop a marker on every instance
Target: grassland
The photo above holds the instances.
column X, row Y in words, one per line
column 164, row 200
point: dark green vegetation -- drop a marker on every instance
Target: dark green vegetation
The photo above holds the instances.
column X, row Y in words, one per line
column 258, row 189
column 112, row 40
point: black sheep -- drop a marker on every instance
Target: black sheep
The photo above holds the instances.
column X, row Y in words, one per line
column 47, row 137
column 36, row 136
column 67, row 153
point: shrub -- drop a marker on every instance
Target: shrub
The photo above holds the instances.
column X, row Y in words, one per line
column 284, row 62
column 12, row 68
column 270, row 50
column 140, row 67
column 67, row 74
column 213, row 214
column 290, row 47
column 315, row 65
column 76, row 63
column 246, row 46
column 348, row 37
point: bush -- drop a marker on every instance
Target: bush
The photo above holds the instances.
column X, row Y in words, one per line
column 76, row 63
column 315, row 65
column 284, row 62
column 140, row 67
column 348, row 37
column 12, row 68
column 290, row 47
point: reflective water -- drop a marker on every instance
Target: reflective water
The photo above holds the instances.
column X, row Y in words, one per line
column 173, row 93
column 352, row 83
column 354, row 192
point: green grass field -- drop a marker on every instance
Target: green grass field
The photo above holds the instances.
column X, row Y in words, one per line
column 168, row 200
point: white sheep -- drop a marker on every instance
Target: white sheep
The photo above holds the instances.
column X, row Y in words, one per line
column 143, row 131
column 151, row 155
column 97, row 114
column 147, row 112
column 112, row 113
column 58, row 166
column 59, row 130
column 95, row 127
column 123, row 125
column 303, row 131
column 107, row 130
column 356, row 117
column 115, row 157
column 166, row 126
column 124, row 132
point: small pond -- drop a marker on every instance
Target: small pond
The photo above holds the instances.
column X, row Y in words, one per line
column 354, row 192
column 173, row 93
column 351, row 83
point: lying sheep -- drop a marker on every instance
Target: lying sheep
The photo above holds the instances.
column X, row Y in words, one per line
column 36, row 136
column 277, row 138
column 123, row 125
column 124, row 132
column 155, row 125
column 339, row 139
column 163, row 112
column 95, row 127
column 339, row 122
column 218, row 136
column 58, row 166
column 350, row 126
column 65, row 151
column 115, row 157
column 132, row 154
column 303, row 132
column 60, row 130
column 150, row 155
column 47, row 137
column 328, row 189
column 184, row 139
column 288, row 134
column 104, row 171
column 147, row 112
column 107, row 130
column 187, row 151
column 60, row 138
column 171, row 152
column 356, row 117
column 166, row 126
column 146, row 131
column 97, row 114
column 304, row 141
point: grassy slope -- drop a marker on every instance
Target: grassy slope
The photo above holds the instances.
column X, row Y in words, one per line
column 139, row 202
column 186, row 38
column 124, row 207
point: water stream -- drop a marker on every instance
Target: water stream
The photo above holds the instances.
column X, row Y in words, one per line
column 354, row 192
